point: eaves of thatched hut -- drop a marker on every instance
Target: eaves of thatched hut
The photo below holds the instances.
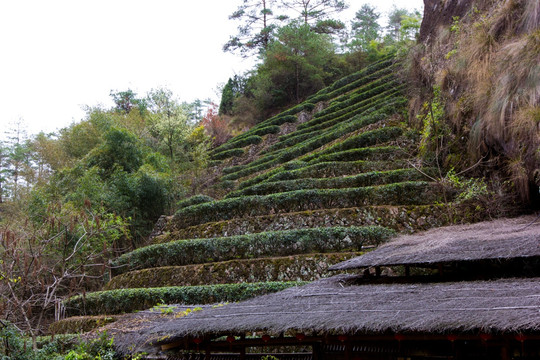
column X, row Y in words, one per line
column 421, row 314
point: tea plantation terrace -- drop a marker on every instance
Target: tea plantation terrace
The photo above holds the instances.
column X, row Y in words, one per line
column 306, row 189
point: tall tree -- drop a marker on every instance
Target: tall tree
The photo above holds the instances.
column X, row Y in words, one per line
column 257, row 27
column 294, row 65
column 126, row 101
column 365, row 28
column 234, row 88
column 169, row 120
column 395, row 17
column 318, row 13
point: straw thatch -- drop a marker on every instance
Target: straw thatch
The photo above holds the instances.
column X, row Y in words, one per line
column 338, row 306
column 500, row 239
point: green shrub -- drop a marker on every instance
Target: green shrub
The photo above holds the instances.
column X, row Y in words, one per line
column 252, row 168
column 270, row 129
column 367, row 153
column 130, row 300
column 358, row 144
column 311, row 143
column 309, row 107
column 360, row 180
column 367, row 91
column 352, row 81
column 228, row 154
column 237, row 143
column 363, row 108
column 291, row 165
column 265, row 244
column 324, row 170
column 194, row 200
column 323, row 122
column 369, row 138
column 408, row 193
column 233, row 169
column 282, row 120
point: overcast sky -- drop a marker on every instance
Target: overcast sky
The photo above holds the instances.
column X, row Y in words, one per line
column 59, row 55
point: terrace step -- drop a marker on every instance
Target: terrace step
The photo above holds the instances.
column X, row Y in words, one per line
column 399, row 218
column 374, row 127
column 304, row 178
column 80, row 324
column 289, row 268
column 378, row 137
column 404, row 193
column 112, row 302
column 259, row 245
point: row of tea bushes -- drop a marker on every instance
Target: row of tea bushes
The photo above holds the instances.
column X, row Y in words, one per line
column 357, row 99
column 236, row 144
column 406, row 193
column 400, row 218
column 365, row 153
column 318, row 124
column 289, row 268
column 358, row 142
column 350, row 82
column 129, row 300
column 265, row 244
column 360, row 180
column 328, row 170
column 339, row 130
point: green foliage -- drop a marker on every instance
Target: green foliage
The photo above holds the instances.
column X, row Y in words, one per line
column 237, row 144
column 365, row 179
column 365, row 28
column 300, row 200
column 434, row 128
column 97, row 349
column 228, row 154
column 294, row 66
column 371, row 106
column 324, row 170
column 266, row 244
column 362, row 140
column 194, row 200
column 269, row 357
column 129, row 300
column 369, row 153
column 120, row 149
column 469, row 189
column 169, row 123
column 13, row 346
column 348, row 83
column 335, row 132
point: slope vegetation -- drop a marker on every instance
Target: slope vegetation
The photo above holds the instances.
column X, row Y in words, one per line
column 305, row 189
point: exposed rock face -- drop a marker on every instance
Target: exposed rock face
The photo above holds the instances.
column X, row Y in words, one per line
column 439, row 13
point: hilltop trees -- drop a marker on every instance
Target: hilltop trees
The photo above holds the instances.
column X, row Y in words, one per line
column 318, row 13
column 365, row 28
column 304, row 48
column 257, row 27
column 295, row 65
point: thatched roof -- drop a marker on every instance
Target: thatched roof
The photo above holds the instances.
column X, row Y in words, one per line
column 499, row 239
column 338, row 306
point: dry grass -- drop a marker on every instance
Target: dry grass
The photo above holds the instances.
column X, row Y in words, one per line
column 491, row 83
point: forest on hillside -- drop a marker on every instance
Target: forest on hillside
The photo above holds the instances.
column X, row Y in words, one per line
column 73, row 200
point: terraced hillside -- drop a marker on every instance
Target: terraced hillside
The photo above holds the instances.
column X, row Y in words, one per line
column 303, row 190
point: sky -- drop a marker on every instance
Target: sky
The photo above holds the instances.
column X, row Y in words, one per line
column 59, row 56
